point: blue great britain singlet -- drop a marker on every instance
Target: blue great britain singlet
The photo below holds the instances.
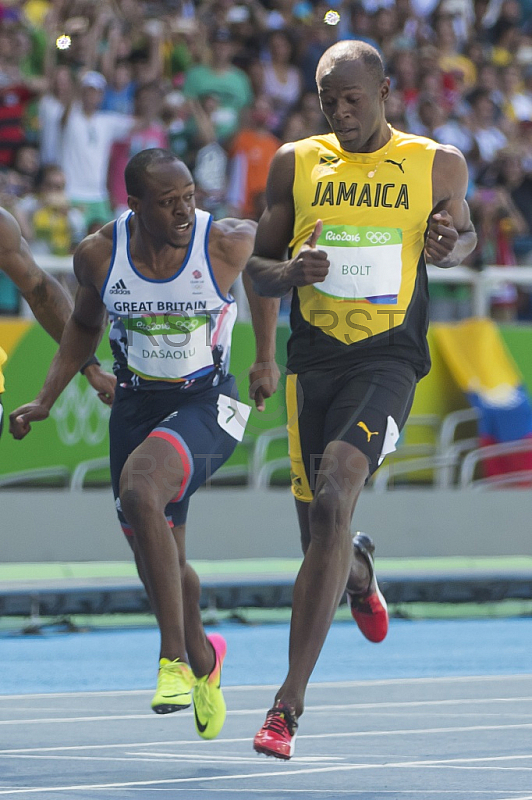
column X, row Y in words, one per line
column 171, row 333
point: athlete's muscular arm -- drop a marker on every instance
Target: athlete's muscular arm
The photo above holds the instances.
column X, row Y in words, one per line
column 451, row 235
column 272, row 275
column 238, row 239
column 50, row 303
column 46, row 297
column 80, row 338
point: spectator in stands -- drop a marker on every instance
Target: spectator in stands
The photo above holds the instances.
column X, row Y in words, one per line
column 357, row 24
column 229, row 85
column 517, row 103
column 405, row 77
column 281, row 80
column 396, row 112
column 450, row 58
column 428, row 116
column 497, row 222
column 385, row 30
column 316, row 39
column 513, row 177
column 149, row 132
column 15, row 95
column 26, row 162
column 487, row 135
column 174, row 113
column 88, row 135
column 50, row 111
column 50, row 224
column 119, row 95
column 251, row 153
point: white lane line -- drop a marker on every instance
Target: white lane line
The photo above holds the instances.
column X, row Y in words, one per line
column 318, row 686
column 337, row 735
column 346, row 707
column 282, row 771
column 452, row 763
column 160, row 758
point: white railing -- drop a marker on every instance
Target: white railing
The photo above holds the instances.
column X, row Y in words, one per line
column 483, row 283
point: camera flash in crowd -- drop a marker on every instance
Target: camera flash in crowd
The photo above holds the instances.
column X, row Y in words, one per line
column 331, row 18
column 63, row 42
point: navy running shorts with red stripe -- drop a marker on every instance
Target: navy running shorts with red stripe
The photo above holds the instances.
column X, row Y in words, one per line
column 187, row 421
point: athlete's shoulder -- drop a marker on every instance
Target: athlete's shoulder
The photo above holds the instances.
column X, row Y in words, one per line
column 412, row 140
column 10, row 235
column 233, row 227
column 232, row 240
column 93, row 252
column 318, row 144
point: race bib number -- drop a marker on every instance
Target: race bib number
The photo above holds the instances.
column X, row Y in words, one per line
column 365, row 263
column 233, row 416
column 168, row 347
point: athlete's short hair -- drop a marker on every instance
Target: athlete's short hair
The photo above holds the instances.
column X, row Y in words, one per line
column 138, row 166
column 352, row 50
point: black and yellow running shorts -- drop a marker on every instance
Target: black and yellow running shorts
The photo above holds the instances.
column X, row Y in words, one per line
column 366, row 406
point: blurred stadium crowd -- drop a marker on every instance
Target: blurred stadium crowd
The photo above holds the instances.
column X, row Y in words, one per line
column 84, row 85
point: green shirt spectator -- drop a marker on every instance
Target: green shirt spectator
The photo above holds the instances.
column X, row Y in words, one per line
column 227, row 83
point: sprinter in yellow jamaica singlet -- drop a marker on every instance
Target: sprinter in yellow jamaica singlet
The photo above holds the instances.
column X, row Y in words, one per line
column 360, row 210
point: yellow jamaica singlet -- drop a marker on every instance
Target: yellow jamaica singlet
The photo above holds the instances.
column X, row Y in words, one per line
column 3, row 359
column 375, row 209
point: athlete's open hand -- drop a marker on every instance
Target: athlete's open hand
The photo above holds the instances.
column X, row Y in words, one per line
column 310, row 265
column 263, row 380
column 20, row 419
column 441, row 238
column 103, row 382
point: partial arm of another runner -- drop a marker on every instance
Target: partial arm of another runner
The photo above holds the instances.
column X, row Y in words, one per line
column 80, row 339
column 49, row 302
column 451, row 235
column 264, row 373
column 272, row 274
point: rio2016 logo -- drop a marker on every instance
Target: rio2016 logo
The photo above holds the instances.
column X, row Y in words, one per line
column 378, row 237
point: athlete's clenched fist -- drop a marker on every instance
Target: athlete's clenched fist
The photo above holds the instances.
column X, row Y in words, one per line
column 310, row 265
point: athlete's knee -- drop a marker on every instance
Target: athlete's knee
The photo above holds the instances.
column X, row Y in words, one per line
column 138, row 499
column 329, row 513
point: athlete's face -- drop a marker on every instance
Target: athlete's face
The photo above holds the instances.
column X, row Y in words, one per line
column 353, row 99
column 167, row 207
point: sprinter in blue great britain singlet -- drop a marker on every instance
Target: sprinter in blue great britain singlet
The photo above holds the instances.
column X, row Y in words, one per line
column 359, row 211
column 163, row 273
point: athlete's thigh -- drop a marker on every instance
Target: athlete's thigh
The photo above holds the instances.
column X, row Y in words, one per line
column 307, row 398
column 371, row 407
column 200, row 433
column 133, row 416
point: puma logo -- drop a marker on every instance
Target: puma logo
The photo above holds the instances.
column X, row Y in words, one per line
column 396, row 163
column 366, row 430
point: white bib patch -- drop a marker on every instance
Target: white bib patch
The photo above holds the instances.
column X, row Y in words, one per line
column 390, row 438
column 169, row 346
column 233, row 416
column 365, row 263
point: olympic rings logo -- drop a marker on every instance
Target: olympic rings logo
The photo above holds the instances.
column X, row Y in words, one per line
column 378, row 237
column 79, row 415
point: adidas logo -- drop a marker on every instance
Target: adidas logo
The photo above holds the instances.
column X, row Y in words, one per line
column 119, row 288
